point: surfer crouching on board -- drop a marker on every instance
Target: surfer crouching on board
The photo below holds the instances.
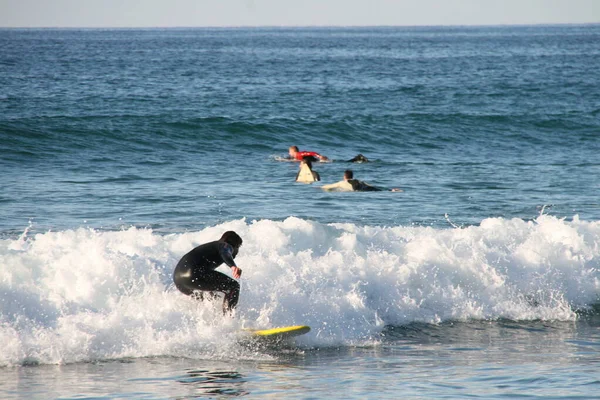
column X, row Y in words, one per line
column 195, row 272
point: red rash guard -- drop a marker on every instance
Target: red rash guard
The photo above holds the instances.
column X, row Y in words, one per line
column 301, row 154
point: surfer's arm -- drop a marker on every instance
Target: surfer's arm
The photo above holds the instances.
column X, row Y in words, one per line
column 236, row 272
column 226, row 251
column 341, row 186
column 319, row 157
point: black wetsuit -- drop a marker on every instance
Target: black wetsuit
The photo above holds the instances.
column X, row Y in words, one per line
column 360, row 186
column 196, row 272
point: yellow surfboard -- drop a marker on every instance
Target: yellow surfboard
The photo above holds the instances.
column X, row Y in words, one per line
column 282, row 332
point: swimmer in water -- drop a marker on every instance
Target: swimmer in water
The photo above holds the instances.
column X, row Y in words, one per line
column 359, row 158
column 298, row 155
column 195, row 272
column 306, row 173
column 349, row 184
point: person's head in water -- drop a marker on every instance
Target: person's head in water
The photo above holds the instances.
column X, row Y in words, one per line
column 348, row 174
column 359, row 159
column 232, row 238
column 292, row 151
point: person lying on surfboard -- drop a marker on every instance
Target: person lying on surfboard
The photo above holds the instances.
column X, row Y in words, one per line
column 195, row 272
column 298, row 155
column 349, row 184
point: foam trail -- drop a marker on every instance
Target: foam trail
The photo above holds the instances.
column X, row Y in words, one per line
column 80, row 295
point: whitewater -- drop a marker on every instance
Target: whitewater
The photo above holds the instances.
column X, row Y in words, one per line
column 84, row 294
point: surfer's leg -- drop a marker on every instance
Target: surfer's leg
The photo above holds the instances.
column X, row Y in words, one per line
column 182, row 277
column 231, row 299
column 214, row 281
column 188, row 284
column 201, row 296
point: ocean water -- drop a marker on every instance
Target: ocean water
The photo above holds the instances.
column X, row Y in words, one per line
column 120, row 150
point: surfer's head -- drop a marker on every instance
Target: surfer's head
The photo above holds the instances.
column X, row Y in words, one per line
column 348, row 174
column 232, row 238
column 292, row 151
column 359, row 159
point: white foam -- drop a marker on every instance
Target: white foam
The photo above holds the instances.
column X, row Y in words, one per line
column 79, row 295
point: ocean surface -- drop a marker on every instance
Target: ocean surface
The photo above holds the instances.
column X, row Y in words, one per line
column 121, row 150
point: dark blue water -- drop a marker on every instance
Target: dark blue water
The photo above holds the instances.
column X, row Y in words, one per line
column 178, row 128
column 481, row 278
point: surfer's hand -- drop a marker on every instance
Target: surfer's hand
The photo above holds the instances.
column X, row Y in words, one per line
column 237, row 272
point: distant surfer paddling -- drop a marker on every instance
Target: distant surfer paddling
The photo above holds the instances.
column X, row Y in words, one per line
column 349, row 184
column 295, row 154
column 298, row 155
column 195, row 272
